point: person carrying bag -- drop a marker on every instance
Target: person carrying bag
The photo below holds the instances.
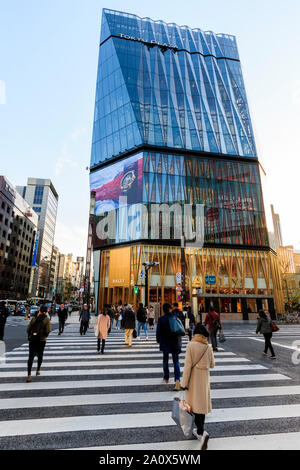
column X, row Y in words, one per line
column 196, row 380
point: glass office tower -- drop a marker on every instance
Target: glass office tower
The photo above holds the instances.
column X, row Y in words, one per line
column 172, row 126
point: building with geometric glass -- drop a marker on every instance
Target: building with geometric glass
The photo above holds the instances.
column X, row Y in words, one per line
column 172, row 127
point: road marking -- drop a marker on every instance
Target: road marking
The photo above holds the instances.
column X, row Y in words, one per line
column 137, row 371
column 100, row 363
column 282, row 441
column 293, row 348
column 132, row 382
column 138, row 420
column 140, row 397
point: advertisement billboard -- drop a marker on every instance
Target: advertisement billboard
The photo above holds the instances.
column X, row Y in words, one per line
column 121, row 179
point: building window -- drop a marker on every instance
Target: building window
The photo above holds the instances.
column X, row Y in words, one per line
column 38, row 195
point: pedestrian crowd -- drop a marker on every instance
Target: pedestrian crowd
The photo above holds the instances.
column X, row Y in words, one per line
column 172, row 326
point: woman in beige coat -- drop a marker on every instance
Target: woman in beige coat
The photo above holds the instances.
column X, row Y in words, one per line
column 103, row 324
column 196, row 381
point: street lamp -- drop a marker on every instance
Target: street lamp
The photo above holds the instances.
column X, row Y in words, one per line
column 148, row 265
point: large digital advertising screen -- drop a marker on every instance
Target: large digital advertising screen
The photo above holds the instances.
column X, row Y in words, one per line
column 117, row 187
column 119, row 180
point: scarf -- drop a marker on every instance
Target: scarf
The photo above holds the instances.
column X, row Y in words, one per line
column 200, row 339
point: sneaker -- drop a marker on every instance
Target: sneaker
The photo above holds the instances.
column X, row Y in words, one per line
column 197, row 436
column 204, row 440
column 138, row 337
column 165, row 382
column 38, row 372
column 147, row 339
column 265, row 354
column 273, row 357
column 176, row 387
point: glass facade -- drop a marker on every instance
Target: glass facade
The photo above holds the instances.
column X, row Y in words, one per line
column 164, row 85
column 171, row 112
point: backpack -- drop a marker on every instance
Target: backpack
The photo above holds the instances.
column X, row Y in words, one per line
column 36, row 330
column 215, row 322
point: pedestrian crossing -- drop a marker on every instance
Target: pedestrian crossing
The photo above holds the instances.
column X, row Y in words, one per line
column 118, row 401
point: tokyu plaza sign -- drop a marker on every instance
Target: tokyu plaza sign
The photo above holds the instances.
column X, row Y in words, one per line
column 152, row 42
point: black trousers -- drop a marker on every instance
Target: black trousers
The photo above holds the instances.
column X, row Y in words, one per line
column 61, row 325
column 199, row 421
column 36, row 348
column 83, row 327
column 268, row 344
column 2, row 325
column 102, row 345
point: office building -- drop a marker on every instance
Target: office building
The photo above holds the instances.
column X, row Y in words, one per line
column 172, row 126
column 43, row 197
column 18, row 229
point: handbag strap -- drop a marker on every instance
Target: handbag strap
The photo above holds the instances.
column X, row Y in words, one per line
column 200, row 357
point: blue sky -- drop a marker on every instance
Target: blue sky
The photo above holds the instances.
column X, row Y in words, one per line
column 48, row 62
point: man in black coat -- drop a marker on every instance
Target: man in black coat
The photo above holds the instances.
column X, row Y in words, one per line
column 169, row 344
column 129, row 324
column 4, row 313
column 62, row 314
column 84, row 319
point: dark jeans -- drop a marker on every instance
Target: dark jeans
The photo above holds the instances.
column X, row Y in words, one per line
column 268, row 344
column 102, row 345
column 36, row 348
column 176, row 363
column 213, row 338
column 83, row 327
column 199, row 421
column 61, row 325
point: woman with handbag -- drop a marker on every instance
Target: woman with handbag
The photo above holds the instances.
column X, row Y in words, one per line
column 196, row 380
column 264, row 326
column 101, row 329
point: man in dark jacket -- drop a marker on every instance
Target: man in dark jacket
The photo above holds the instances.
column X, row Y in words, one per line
column 169, row 344
column 264, row 327
column 84, row 319
column 38, row 330
column 4, row 313
column 179, row 313
column 129, row 324
column 62, row 314
column 213, row 321
column 141, row 316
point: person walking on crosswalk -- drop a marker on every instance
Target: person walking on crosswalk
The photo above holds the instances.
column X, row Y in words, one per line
column 38, row 330
column 102, row 325
column 84, row 318
column 196, row 380
column 169, row 343
column 141, row 316
column 4, row 313
column 213, row 321
column 129, row 324
column 62, row 314
column 264, row 327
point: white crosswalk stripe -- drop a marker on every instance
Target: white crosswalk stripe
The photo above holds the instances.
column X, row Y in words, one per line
column 81, row 392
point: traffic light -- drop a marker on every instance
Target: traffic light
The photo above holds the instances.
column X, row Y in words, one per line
column 136, row 289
